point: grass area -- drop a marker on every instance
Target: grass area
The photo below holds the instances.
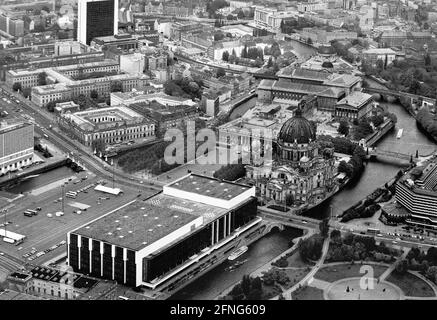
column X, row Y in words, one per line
column 270, row 291
column 295, row 276
column 296, row 261
column 308, row 293
column 338, row 272
column 411, row 285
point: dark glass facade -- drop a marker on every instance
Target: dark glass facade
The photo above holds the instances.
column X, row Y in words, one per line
column 99, row 19
column 164, row 261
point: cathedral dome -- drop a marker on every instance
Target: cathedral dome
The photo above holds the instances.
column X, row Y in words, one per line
column 297, row 129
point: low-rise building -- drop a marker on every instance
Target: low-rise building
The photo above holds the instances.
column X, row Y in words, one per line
column 110, row 125
column 166, row 116
column 354, row 106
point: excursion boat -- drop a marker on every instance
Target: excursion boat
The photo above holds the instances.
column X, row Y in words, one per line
column 400, row 132
column 237, row 253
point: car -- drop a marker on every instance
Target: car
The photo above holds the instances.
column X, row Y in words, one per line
column 394, row 242
column 304, row 222
column 2, row 254
column 62, row 242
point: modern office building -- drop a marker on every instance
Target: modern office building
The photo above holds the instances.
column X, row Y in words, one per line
column 164, row 241
column 96, row 18
column 16, row 146
column 417, row 192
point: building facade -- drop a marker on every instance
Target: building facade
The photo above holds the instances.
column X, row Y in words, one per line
column 300, row 174
column 16, row 146
column 96, row 18
column 110, row 125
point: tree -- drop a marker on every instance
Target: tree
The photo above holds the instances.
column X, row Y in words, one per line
column 309, row 41
column 116, row 86
column 230, row 17
column 427, row 59
column 220, row 72
column 99, row 145
column 94, row 94
column 240, row 14
column 246, row 285
column 16, row 86
column 42, row 79
column 225, row 56
column 324, row 227
column 343, row 128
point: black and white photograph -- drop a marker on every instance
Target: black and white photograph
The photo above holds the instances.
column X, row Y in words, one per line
column 208, row 158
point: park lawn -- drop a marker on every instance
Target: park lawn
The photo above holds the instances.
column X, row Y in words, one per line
column 338, row 272
column 308, row 293
column 296, row 261
column 295, row 275
column 270, row 291
column 411, row 285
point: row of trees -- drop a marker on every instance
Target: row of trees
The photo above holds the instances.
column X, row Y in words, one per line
column 252, row 53
column 247, row 289
column 427, row 121
column 355, row 166
column 351, row 247
column 150, row 158
column 184, row 88
column 423, row 261
column 230, row 172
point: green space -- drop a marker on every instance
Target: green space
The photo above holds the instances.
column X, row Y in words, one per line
column 342, row 271
column 411, row 285
column 307, row 293
column 296, row 261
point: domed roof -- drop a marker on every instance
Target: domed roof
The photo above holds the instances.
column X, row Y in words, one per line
column 297, row 129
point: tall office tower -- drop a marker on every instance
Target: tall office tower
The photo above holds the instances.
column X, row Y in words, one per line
column 96, row 18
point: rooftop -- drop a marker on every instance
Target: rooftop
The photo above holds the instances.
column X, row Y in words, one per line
column 209, row 187
column 355, row 99
column 139, row 224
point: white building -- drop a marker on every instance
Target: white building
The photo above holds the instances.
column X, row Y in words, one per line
column 132, row 63
column 16, row 146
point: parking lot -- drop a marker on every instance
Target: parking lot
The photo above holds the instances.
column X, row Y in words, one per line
column 46, row 231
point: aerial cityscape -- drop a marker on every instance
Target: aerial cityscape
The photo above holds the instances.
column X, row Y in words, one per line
column 223, row 150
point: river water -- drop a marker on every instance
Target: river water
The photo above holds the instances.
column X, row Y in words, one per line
column 42, row 179
column 217, row 280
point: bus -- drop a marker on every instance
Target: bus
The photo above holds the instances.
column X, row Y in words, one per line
column 30, row 213
column 71, row 194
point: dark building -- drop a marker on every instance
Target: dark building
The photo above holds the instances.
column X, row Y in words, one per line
column 97, row 18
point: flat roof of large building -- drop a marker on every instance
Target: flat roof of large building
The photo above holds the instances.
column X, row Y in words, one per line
column 138, row 224
column 209, row 187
